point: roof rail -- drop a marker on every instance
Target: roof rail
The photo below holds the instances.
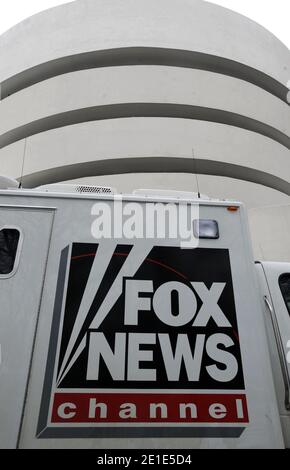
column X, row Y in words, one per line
column 170, row 193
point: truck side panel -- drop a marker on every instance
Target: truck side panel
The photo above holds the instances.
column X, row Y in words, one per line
column 61, row 403
column 20, row 295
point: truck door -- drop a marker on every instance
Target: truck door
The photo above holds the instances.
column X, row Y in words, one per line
column 275, row 282
column 24, row 242
column 284, row 291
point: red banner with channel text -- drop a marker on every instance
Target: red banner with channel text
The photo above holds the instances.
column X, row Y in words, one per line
column 149, row 408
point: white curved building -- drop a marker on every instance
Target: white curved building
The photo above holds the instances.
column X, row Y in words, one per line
column 148, row 93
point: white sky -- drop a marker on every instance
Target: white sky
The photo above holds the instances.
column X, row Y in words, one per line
column 273, row 14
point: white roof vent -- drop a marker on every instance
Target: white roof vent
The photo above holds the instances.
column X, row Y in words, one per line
column 169, row 193
column 8, row 183
column 76, row 189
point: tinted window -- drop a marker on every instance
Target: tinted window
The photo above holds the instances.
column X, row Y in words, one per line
column 284, row 283
column 9, row 239
column 206, row 228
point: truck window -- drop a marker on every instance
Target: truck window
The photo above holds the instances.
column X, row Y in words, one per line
column 284, row 283
column 204, row 228
column 9, row 242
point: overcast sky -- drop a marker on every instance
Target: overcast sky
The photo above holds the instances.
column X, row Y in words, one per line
column 273, row 14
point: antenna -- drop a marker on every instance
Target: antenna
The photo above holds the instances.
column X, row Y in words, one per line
column 195, row 173
column 23, row 162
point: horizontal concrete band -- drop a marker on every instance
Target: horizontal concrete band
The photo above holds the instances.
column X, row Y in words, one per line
column 96, row 25
column 108, row 93
column 155, row 165
column 143, row 138
column 146, row 137
column 126, row 110
column 141, row 56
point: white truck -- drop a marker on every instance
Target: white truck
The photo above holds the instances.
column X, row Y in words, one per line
column 138, row 340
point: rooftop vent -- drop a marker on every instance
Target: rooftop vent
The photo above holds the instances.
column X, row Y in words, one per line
column 76, row 189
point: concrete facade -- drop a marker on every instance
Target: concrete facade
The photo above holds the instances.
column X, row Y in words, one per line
column 127, row 93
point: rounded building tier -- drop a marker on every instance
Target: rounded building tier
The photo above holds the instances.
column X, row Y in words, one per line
column 150, row 93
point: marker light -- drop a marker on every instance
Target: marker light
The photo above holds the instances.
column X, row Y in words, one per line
column 206, row 228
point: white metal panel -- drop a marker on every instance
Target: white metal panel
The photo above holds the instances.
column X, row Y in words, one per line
column 264, row 430
column 20, row 297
